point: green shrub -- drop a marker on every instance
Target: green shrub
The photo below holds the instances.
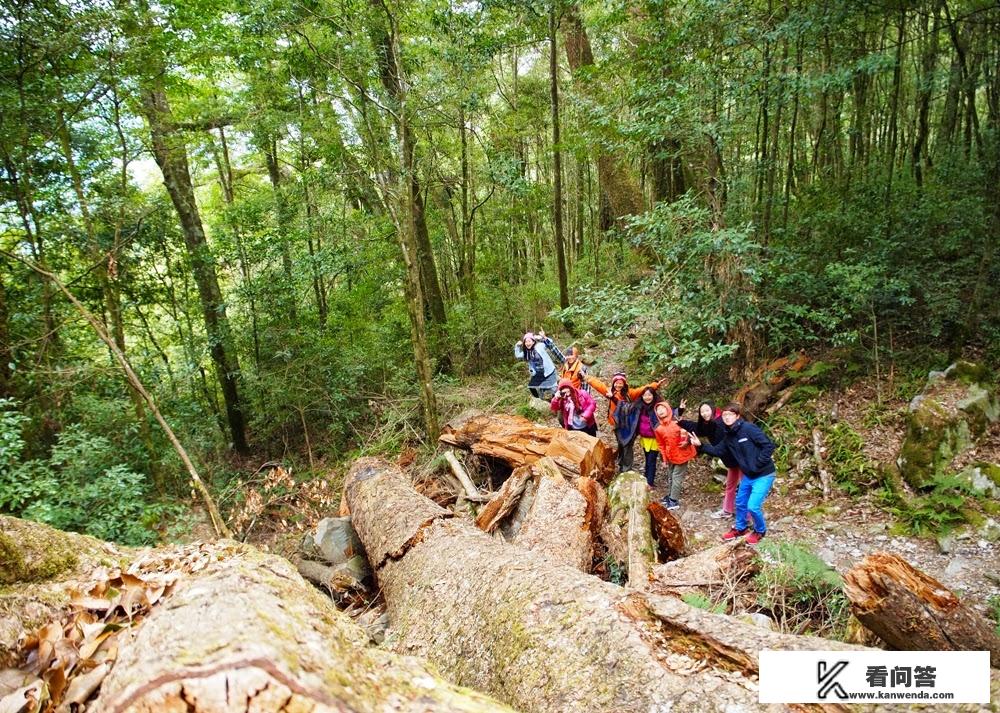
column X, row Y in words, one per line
column 700, row 601
column 800, row 591
column 79, row 487
column 993, row 610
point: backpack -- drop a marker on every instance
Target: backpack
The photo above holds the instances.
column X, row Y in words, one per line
column 627, row 414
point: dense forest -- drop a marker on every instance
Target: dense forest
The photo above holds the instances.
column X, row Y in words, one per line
column 272, row 224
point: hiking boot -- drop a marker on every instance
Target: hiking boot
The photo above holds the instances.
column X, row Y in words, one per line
column 734, row 533
column 722, row 515
column 754, row 537
column 672, row 504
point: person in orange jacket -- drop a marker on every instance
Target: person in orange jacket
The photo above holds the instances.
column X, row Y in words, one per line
column 574, row 369
column 616, row 394
column 676, row 449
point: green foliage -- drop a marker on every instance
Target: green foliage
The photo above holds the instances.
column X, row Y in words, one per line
column 993, row 610
column 800, row 591
column 935, row 512
column 700, row 601
column 81, row 488
column 850, row 467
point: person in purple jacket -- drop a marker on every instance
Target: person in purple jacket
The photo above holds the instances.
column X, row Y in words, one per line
column 575, row 408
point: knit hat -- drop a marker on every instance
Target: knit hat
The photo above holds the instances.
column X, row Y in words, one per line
column 565, row 384
column 618, row 375
column 528, row 335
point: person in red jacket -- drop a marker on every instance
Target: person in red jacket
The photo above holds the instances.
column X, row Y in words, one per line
column 575, row 408
column 676, row 449
column 619, row 393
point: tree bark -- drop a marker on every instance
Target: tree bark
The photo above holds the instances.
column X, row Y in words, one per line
column 703, row 571
column 171, row 156
column 668, row 532
column 556, row 525
column 538, row 636
column 517, row 441
column 247, row 633
column 557, row 192
column 912, row 611
column 618, row 183
column 628, row 500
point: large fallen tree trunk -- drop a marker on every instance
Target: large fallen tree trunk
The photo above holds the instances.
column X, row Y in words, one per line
column 556, row 524
column 517, row 441
column 628, row 500
column 542, row 637
column 229, row 629
column 912, row 611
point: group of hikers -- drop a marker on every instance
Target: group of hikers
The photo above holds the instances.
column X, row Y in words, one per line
column 641, row 414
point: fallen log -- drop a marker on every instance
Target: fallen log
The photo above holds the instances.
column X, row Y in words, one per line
column 767, row 381
column 248, row 629
column 212, row 628
column 517, row 441
column 556, row 525
column 912, row 611
column 505, row 500
column 628, row 499
column 715, row 567
column 504, row 620
column 668, row 531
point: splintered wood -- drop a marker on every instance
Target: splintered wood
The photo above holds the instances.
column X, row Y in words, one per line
column 517, row 441
column 912, row 611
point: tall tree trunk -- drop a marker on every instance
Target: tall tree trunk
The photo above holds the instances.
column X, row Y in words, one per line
column 621, row 191
column 170, row 153
column 919, row 155
column 557, row 197
column 389, row 74
column 284, row 217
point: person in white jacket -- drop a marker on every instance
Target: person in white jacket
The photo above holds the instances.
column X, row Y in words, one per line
column 540, row 354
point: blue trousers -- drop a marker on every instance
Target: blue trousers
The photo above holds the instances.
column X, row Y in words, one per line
column 750, row 498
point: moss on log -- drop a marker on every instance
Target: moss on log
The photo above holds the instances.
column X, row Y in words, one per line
column 247, row 633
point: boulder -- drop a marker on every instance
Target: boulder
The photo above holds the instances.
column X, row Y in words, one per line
column 982, row 479
column 334, row 541
column 944, row 421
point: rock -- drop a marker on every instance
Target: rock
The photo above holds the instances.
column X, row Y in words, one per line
column 590, row 340
column 758, row 619
column 990, row 531
column 982, row 478
column 876, row 528
column 826, row 555
column 956, row 567
column 943, row 421
column 335, row 542
column 946, row 544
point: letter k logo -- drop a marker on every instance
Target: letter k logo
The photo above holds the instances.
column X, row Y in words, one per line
column 826, row 676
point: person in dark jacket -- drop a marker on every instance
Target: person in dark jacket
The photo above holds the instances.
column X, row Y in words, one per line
column 751, row 450
column 709, row 427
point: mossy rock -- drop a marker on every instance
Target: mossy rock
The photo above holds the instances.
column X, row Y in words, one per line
column 982, row 479
column 944, row 421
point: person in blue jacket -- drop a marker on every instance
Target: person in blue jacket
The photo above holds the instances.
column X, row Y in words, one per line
column 541, row 355
column 747, row 446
